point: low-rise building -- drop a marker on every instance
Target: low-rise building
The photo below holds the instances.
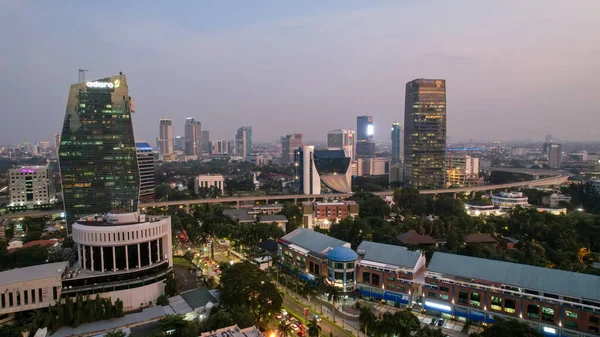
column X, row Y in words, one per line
column 557, row 302
column 479, row 238
column 249, row 216
column 476, row 209
column 510, row 199
column 308, row 251
column 413, row 238
column 552, row 210
column 208, row 181
column 390, row 273
column 29, row 288
column 234, row 331
column 323, row 214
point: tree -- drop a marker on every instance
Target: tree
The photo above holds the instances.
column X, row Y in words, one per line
column 508, row 328
column 366, row 318
column 371, row 205
column 116, row 333
column 181, row 327
column 254, row 290
column 285, row 330
column 162, row 300
column 333, row 295
column 314, row 330
column 217, row 320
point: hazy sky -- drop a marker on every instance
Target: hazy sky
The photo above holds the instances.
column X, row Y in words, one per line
column 514, row 69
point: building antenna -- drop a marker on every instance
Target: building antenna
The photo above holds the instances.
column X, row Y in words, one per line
column 82, row 75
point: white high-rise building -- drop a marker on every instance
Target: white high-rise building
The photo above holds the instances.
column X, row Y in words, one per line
column 28, row 186
column 310, row 176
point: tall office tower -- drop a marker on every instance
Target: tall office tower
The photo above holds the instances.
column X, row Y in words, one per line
column 554, row 155
column 220, row 147
column 289, row 144
column 337, row 139
column 56, row 140
column 365, row 147
column 193, row 137
column 179, row 143
column 97, row 158
column 311, row 182
column 205, row 141
column 145, row 159
column 165, row 138
column 243, row 142
column 396, row 143
column 323, row 171
column 425, row 133
column 29, row 187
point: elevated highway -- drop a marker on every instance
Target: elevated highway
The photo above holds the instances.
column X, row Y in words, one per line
column 551, row 181
column 533, row 172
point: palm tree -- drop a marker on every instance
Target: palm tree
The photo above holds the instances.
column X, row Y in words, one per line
column 333, row 295
column 366, row 318
column 285, row 330
column 314, row 330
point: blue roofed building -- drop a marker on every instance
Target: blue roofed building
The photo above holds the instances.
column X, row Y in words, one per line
column 389, row 272
column 309, row 253
column 557, row 302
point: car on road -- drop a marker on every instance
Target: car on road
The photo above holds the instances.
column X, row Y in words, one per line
column 295, row 327
column 440, row 322
column 283, row 312
column 317, row 318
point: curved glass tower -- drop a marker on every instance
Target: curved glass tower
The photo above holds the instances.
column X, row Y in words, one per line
column 97, row 153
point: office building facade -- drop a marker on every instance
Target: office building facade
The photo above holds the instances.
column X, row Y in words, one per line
column 365, row 147
column 243, row 142
column 425, row 133
column 554, row 155
column 193, row 137
column 462, row 170
column 396, row 143
column 323, row 171
column 206, row 142
column 220, row 147
column 97, row 154
column 165, row 139
column 29, row 187
column 342, row 139
column 145, row 158
column 289, row 144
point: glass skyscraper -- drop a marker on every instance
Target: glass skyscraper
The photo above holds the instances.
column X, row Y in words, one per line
column 396, row 143
column 365, row 147
column 97, row 154
column 243, row 142
column 425, row 133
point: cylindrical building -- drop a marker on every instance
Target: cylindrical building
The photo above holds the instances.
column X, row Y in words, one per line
column 121, row 255
column 341, row 268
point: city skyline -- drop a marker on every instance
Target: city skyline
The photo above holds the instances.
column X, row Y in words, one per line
column 494, row 75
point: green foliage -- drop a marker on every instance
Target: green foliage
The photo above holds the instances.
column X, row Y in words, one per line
column 371, row 184
column 181, row 327
column 7, row 330
column 509, row 328
column 217, row 320
column 371, row 205
column 254, row 291
column 162, row 300
column 285, row 330
column 116, row 333
column 294, row 215
column 313, row 328
column 171, row 285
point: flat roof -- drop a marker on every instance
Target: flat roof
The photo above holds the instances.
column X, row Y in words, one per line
column 554, row 281
column 41, row 271
column 388, row 254
column 312, row 240
column 198, row 298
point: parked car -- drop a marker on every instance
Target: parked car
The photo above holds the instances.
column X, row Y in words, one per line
column 440, row 322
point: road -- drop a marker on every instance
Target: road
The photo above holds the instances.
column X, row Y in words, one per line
column 298, row 310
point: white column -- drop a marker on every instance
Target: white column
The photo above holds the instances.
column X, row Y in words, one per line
column 150, row 252
column 83, row 247
column 126, row 258
column 157, row 250
column 114, row 259
column 139, row 256
column 92, row 258
column 102, row 258
column 79, row 253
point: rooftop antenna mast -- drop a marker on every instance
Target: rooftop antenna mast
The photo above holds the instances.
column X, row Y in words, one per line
column 82, row 75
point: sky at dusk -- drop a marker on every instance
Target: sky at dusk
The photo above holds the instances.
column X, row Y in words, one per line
column 514, row 69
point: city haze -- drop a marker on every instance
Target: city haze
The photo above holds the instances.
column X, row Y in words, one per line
column 513, row 68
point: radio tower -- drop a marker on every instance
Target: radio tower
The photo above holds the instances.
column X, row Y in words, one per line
column 82, row 75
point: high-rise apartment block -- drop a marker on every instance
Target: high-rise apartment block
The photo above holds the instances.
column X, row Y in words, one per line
column 220, row 147
column 28, row 187
column 179, row 143
column 462, row 170
column 56, row 140
column 145, row 158
column 554, row 155
column 425, row 133
column 243, row 142
column 396, row 143
column 97, row 155
column 193, row 137
column 365, row 147
column 165, row 139
column 289, row 144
